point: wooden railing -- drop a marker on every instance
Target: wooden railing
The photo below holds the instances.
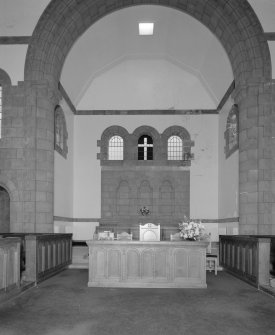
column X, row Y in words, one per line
column 247, row 257
column 46, row 255
column 42, row 255
column 9, row 264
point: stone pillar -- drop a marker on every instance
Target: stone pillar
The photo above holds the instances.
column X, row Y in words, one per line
column 27, row 155
column 12, row 159
column 39, row 150
column 255, row 163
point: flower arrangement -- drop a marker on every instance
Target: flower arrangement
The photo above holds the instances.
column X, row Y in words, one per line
column 191, row 230
column 144, row 211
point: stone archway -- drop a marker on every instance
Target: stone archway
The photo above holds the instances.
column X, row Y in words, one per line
column 238, row 29
column 4, row 211
column 9, row 202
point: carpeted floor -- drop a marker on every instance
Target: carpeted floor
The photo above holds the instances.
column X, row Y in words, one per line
column 64, row 305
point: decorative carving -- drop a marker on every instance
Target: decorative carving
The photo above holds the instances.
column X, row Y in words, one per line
column 147, row 264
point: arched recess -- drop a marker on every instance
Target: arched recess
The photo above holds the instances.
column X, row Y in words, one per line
column 166, row 199
column 4, row 211
column 238, row 29
column 10, row 201
column 145, row 196
column 123, row 198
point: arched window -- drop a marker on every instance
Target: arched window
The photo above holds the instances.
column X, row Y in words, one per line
column 145, row 148
column 60, row 132
column 0, row 111
column 115, row 148
column 174, row 148
column 231, row 134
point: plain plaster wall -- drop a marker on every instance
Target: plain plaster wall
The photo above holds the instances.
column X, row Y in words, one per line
column 147, row 84
column 12, row 60
column 204, row 169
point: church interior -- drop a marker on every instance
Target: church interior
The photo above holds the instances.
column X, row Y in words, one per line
column 105, row 127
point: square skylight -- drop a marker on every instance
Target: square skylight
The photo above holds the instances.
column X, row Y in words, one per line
column 146, row 28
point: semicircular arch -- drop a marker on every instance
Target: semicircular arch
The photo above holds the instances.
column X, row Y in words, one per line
column 9, row 186
column 234, row 23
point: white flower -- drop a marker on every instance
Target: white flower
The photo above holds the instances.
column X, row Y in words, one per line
column 190, row 229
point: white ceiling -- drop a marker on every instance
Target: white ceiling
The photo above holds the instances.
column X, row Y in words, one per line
column 178, row 39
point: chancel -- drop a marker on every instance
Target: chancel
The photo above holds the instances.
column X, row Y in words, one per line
column 110, row 139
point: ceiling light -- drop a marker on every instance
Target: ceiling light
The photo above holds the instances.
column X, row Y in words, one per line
column 146, row 28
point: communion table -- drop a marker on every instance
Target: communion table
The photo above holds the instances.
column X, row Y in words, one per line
column 163, row 264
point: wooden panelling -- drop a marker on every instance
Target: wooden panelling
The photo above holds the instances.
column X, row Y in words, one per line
column 9, row 264
column 147, row 264
column 247, row 257
column 47, row 254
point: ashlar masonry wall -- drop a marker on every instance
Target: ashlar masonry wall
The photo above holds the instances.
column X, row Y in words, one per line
column 164, row 191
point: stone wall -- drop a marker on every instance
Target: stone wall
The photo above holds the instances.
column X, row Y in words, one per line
column 26, row 151
column 165, row 192
column 130, row 183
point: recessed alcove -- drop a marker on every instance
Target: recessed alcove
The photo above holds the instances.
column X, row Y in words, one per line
column 4, row 210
